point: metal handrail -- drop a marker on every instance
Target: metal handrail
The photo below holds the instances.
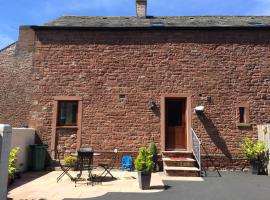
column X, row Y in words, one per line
column 196, row 146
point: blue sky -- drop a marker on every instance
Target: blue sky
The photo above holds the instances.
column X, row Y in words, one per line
column 14, row 13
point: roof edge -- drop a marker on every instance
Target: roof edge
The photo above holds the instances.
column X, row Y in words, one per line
column 6, row 47
column 35, row 27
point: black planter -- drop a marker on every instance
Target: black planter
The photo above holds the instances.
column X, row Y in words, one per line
column 155, row 160
column 255, row 166
column 144, row 180
column 10, row 180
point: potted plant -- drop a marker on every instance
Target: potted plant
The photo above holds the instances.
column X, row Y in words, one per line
column 253, row 152
column 12, row 167
column 153, row 150
column 144, row 165
column 70, row 161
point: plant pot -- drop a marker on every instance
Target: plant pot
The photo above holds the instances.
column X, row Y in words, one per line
column 255, row 167
column 155, row 160
column 10, row 180
column 144, row 180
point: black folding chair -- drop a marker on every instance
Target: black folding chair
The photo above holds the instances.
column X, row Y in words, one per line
column 65, row 170
column 85, row 162
column 108, row 166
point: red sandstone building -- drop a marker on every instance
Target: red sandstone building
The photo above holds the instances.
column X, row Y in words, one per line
column 123, row 82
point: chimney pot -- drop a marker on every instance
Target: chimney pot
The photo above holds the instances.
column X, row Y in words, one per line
column 141, row 8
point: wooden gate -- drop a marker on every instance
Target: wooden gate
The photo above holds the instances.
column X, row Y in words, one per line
column 264, row 135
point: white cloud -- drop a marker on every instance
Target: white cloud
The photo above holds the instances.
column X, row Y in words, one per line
column 5, row 40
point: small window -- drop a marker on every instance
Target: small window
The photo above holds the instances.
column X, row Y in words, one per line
column 242, row 115
column 67, row 113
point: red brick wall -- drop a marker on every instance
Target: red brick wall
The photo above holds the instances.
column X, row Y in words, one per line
column 231, row 66
column 15, row 86
column 66, row 141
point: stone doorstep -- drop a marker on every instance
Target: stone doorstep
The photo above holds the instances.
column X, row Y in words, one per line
column 182, row 171
column 167, row 168
column 177, row 153
column 179, row 162
column 180, row 159
column 174, row 155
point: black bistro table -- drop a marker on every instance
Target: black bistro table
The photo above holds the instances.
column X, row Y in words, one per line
column 85, row 163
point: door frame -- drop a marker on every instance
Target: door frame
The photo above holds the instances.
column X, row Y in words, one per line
column 186, row 96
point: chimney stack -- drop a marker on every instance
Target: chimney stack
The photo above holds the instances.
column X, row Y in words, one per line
column 141, row 8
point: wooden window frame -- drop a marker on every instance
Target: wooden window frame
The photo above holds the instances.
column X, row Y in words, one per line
column 246, row 122
column 55, row 126
column 58, row 114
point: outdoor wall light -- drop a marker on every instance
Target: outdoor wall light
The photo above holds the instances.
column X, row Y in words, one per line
column 199, row 109
column 152, row 104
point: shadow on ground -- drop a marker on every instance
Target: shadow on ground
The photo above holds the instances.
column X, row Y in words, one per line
column 26, row 179
column 232, row 185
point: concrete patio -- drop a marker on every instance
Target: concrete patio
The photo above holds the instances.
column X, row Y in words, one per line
column 37, row 185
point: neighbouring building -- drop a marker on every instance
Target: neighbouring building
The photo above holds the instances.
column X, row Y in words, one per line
column 123, row 82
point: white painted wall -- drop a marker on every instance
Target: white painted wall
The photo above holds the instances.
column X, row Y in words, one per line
column 264, row 135
column 22, row 137
column 5, row 140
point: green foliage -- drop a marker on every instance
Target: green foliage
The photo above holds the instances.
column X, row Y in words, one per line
column 144, row 161
column 70, row 160
column 153, row 149
column 12, row 167
column 252, row 150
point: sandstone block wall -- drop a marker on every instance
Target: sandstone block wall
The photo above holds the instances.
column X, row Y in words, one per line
column 15, row 86
column 117, row 72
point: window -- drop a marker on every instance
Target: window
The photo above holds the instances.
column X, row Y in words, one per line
column 67, row 113
column 242, row 115
column 174, row 112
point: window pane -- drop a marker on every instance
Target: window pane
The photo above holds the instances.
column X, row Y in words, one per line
column 242, row 115
column 174, row 109
column 67, row 113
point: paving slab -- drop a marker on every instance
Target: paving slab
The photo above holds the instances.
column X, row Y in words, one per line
column 36, row 185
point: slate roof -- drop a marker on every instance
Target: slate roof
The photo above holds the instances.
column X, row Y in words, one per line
column 196, row 21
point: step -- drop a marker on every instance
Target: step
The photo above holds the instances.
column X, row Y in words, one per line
column 179, row 162
column 182, row 171
column 181, row 168
column 178, row 152
column 179, row 159
column 188, row 154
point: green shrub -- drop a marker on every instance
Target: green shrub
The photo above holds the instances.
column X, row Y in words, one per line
column 12, row 167
column 252, row 150
column 153, row 149
column 70, row 160
column 144, row 161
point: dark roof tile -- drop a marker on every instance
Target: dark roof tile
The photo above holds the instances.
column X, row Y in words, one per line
column 196, row 21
